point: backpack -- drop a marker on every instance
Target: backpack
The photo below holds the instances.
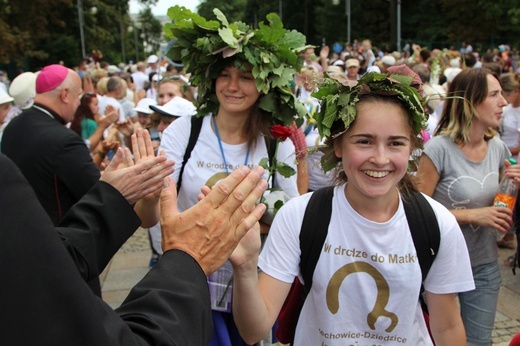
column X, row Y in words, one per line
column 423, row 227
column 196, row 126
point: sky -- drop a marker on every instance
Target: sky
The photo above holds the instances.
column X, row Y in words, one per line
column 163, row 5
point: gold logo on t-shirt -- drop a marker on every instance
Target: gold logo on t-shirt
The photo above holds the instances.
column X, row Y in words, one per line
column 383, row 292
column 213, row 180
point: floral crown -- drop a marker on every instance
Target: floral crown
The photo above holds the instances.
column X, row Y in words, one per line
column 206, row 47
column 339, row 97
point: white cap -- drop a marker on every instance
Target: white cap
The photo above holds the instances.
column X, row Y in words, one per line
column 374, row 68
column 23, row 89
column 455, row 62
column 352, row 62
column 113, row 69
column 388, row 60
column 451, row 73
column 156, row 77
column 143, row 106
column 152, row 59
column 176, row 107
column 4, row 97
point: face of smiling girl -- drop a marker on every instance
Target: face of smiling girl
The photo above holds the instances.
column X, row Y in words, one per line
column 375, row 150
column 236, row 90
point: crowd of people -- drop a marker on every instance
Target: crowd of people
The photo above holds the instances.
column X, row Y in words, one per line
column 91, row 153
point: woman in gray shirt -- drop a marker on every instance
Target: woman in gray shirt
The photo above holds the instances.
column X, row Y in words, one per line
column 460, row 167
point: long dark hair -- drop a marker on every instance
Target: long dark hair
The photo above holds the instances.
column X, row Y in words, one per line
column 82, row 112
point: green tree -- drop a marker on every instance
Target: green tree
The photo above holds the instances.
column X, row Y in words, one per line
column 25, row 27
column 234, row 10
column 150, row 29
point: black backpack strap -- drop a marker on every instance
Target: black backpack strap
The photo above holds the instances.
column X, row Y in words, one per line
column 425, row 233
column 424, row 229
column 314, row 230
column 196, row 125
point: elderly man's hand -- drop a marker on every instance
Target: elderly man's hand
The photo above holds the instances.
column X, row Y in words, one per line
column 136, row 181
column 210, row 230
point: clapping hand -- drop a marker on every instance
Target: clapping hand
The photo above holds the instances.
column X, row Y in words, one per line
column 211, row 229
column 143, row 150
column 136, row 180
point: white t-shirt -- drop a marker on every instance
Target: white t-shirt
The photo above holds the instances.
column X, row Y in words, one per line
column 206, row 167
column 140, row 78
column 107, row 100
column 365, row 264
column 510, row 126
column 317, row 178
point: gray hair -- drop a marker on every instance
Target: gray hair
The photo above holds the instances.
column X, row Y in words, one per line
column 113, row 83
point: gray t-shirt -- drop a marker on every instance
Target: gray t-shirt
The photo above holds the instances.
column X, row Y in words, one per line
column 465, row 184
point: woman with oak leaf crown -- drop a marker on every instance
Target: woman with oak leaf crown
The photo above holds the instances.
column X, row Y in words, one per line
column 367, row 279
column 242, row 108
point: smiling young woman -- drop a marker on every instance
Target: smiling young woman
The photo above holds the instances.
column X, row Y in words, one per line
column 371, row 130
column 237, row 108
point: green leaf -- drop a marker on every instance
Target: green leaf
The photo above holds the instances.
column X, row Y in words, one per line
column 284, row 169
column 294, row 39
column 343, row 99
column 227, row 36
column 330, row 114
column 273, row 32
column 406, row 80
column 267, row 102
column 277, row 205
column 220, row 16
column 264, row 163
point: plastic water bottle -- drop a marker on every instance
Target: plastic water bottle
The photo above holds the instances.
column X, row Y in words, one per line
column 506, row 196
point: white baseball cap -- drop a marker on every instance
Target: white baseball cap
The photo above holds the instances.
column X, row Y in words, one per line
column 152, row 59
column 143, row 106
column 113, row 69
column 176, row 107
column 352, row 62
column 388, row 60
column 4, row 97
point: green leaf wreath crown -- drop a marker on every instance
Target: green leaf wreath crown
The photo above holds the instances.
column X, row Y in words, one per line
column 206, row 47
column 339, row 98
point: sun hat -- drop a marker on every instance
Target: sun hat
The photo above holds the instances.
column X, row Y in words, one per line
column 177, row 107
column 23, row 89
column 4, row 97
column 50, row 77
column 143, row 106
column 334, row 69
column 352, row 62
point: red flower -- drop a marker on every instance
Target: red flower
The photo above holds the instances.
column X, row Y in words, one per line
column 280, row 132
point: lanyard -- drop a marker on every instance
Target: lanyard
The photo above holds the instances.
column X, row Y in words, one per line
column 222, row 148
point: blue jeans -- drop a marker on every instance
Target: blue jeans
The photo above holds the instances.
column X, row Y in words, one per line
column 478, row 307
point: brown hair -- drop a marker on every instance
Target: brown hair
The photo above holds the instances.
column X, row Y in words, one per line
column 183, row 87
column 468, row 89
